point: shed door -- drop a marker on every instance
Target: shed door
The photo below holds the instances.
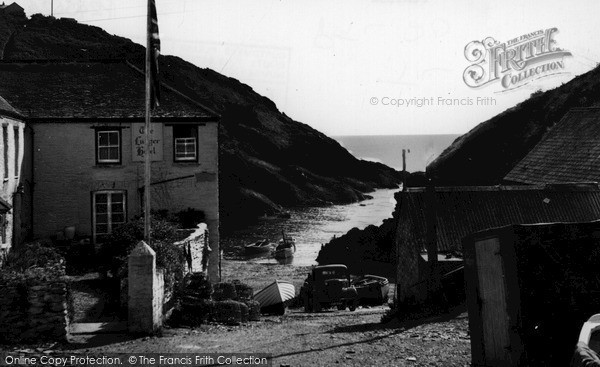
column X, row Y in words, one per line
column 496, row 342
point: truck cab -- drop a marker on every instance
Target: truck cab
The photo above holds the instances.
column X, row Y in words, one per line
column 327, row 286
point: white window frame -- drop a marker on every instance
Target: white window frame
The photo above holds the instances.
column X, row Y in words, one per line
column 108, row 146
column 109, row 212
column 190, row 141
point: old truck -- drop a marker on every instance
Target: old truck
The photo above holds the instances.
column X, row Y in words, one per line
column 327, row 286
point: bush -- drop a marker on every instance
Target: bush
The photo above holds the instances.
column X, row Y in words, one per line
column 195, row 284
column 32, row 262
column 32, row 255
column 123, row 239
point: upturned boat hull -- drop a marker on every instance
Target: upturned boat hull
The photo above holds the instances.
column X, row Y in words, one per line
column 275, row 293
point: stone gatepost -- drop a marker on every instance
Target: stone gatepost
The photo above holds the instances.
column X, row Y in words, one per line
column 145, row 291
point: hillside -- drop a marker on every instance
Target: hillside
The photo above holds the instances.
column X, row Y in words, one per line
column 484, row 155
column 267, row 160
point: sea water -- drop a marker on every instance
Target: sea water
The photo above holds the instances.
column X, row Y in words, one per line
column 313, row 226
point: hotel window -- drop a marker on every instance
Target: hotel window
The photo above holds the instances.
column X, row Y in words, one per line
column 109, row 211
column 185, row 143
column 108, row 146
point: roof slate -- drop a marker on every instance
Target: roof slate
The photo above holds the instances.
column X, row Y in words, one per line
column 84, row 90
column 569, row 152
column 464, row 210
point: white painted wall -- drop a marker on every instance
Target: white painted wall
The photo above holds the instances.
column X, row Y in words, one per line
column 11, row 182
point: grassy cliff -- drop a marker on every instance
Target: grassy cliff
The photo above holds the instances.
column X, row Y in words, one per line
column 484, row 155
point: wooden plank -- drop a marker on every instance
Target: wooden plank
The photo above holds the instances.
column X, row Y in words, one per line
column 493, row 302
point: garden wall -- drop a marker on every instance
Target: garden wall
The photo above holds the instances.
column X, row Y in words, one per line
column 34, row 310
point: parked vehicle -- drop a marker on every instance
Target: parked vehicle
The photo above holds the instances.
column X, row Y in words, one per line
column 273, row 296
column 328, row 286
column 259, row 247
column 372, row 290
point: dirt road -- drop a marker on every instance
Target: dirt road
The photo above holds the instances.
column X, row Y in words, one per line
column 330, row 338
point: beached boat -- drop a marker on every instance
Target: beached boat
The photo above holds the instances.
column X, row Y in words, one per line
column 273, row 296
column 259, row 247
column 372, row 289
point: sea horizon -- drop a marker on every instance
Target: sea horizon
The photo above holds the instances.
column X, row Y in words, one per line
column 387, row 149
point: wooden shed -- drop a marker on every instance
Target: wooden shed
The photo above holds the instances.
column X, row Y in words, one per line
column 529, row 290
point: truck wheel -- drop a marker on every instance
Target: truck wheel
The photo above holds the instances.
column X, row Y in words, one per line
column 352, row 306
column 341, row 306
column 307, row 304
column 316, row 306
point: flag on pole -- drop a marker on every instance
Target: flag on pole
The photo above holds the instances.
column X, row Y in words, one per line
column 154, row 45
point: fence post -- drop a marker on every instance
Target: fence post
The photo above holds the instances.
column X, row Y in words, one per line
column 145, row 291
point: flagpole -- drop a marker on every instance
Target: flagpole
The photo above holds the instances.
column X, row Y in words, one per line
column 147, row 159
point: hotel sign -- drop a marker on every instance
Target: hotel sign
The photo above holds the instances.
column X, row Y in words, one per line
column 138, row 142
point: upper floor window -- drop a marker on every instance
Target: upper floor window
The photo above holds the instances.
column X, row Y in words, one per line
column 108, row 146
column 185, row 143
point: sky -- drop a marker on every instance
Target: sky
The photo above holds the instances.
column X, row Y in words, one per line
column 369, row 67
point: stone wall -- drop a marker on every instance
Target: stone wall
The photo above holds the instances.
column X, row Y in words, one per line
column 34, row 311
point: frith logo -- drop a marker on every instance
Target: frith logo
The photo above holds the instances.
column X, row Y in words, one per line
column 516, row 62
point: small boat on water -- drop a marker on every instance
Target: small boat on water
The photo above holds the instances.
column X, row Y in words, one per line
column 285, row 248
column 273, row 296
column 259, row 247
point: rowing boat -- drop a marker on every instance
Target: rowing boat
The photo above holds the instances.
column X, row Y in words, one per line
column 258, row 247
column 275, row 294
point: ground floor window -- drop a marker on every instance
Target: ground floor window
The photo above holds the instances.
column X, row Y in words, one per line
column 109, row 211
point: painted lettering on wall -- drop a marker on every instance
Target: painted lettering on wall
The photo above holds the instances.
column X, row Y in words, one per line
column 138, row 143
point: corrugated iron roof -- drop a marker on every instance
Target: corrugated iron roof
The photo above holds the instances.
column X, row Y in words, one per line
column 569, row 152
column 87, row 89
column 464, row 210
